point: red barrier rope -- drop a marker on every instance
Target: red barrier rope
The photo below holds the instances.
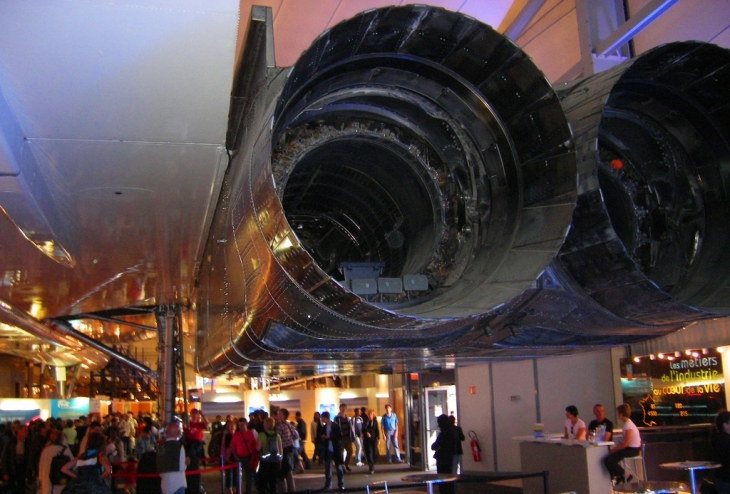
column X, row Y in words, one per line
column 135, row 475
column 202, row 460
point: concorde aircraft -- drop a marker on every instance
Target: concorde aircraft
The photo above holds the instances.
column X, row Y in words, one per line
column 313, row 188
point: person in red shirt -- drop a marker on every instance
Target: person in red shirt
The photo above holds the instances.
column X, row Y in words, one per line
column 246, row 445
column 193, row 440
column 198, row 423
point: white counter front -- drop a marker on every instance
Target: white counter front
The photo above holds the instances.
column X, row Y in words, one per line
column 573, row 466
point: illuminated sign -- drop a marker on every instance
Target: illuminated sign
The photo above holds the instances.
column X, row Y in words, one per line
column 22, row 416
column 676, row 389
column 72, row 408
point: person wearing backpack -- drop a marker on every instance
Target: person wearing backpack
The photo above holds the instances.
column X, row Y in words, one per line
column 270, row 460
column 288, row 434
column 53, row 457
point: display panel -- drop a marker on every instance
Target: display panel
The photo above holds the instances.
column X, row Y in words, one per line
column 674, row 389
column 72, row 408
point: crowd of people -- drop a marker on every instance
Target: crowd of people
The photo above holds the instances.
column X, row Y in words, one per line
column 272, row 449
column 31, row 451
column 267, row 450
column 56, row 456
column 343, row 438
column 73, row 456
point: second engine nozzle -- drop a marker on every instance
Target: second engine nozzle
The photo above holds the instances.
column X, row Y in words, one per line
column 423, row 140
column 652, row 224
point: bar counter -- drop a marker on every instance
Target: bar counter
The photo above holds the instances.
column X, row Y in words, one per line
column 573, row 466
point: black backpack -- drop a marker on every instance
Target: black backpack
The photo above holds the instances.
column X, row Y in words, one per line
column 214, row 446
column 168, row 457
column 270, row 449
column 57, row 462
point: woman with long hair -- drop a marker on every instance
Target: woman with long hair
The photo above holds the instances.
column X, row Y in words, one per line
column 316, row 441
column 370, row 439
column 89, row 470
column 56, row 446
column 227, row 456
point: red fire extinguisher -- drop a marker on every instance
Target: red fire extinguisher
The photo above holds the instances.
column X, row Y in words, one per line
column 476, row 451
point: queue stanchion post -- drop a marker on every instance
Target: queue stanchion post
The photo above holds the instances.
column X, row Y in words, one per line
column 239, row 472
column 223, row 474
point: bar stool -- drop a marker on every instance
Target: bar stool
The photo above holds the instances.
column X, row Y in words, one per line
column 635, row 465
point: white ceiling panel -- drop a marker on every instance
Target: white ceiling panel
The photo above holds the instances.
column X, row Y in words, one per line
column 107, row 70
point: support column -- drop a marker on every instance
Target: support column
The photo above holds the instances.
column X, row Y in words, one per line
column 29, row 380
column 41, row 378
column 584, row 38
column 72, row 384
column 166, row 316
column 181, row 362
column 60, row 379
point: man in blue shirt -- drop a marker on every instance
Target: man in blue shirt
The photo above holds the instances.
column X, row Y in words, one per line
column 389, row 426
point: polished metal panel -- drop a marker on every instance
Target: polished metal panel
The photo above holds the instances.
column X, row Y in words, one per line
column 112, row 151
column 67, row 329
column 27, row 337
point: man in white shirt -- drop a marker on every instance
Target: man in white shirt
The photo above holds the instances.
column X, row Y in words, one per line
column 630, row 446
column 171, row 461
column 128, row 430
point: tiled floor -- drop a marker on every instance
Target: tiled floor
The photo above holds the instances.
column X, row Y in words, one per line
column 356, row 480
